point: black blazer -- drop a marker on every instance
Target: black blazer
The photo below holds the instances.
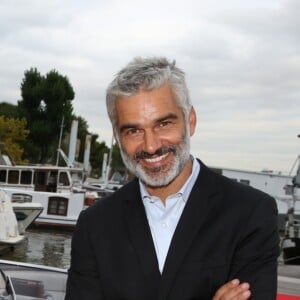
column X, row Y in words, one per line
column 227, row 230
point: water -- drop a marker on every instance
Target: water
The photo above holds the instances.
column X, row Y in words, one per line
column 43, row 247
column 52, row 248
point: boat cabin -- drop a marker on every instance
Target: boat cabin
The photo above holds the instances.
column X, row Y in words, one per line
column 40, row 178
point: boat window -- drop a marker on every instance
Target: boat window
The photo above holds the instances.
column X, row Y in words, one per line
column 52, row 178
column 58, row 206
column 63, row 179
column 3, row 175
column 26, row 177
column 40, row 181
column 52, row 182
column 13, row 176
column 21, row 198
column 40, row 178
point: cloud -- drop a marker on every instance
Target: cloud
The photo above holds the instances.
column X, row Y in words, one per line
column 241, row 59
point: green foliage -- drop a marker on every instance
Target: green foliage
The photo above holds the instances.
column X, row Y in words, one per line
column 8, row 110
column 117, row 162
column 96, row 155
column 45, row 100
column 12, row 133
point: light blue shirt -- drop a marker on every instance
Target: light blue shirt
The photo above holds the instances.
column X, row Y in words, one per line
column 163, row 219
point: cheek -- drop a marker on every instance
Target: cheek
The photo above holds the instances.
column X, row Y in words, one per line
column 130, row 147
column 172, row 138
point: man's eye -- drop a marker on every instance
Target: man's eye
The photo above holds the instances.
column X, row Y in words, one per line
column 132, row 131
column 164, row 123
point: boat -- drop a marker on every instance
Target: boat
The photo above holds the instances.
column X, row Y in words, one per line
column 29, row 281
column 9, row 232
column 57, row 189
column 26, row 213
column 290, row 244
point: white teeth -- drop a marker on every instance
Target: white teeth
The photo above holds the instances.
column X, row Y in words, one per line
column 156, row 159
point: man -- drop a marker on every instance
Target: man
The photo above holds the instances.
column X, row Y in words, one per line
column 178, row 231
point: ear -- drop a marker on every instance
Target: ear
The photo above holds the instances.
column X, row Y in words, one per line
column 192, row 121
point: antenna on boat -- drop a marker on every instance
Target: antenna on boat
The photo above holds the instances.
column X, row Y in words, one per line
column 60, row 137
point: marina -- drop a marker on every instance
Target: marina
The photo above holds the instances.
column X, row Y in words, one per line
column 42, row 257
column 52, row 248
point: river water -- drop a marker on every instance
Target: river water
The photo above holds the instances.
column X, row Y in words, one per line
column 43, row 247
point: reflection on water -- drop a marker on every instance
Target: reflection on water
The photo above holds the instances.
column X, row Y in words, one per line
column 43, row 247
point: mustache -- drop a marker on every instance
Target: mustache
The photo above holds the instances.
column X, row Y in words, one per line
column 161, row 151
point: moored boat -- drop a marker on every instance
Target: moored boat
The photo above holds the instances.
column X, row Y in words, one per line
column 26, row 213
column 9, row 232
column 57, row 189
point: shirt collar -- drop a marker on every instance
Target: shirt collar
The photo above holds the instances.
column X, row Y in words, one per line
column 185, row 189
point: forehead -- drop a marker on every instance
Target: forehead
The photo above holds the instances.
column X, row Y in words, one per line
column 146, row 105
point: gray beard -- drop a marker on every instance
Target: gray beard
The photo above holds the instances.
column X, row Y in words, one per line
column 159, row 177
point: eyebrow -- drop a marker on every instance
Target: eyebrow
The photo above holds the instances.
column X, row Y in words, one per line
column 156, row 121
column 169, row 116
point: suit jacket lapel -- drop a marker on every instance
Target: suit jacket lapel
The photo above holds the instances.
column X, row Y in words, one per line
column 140, row 234
column 197, row 207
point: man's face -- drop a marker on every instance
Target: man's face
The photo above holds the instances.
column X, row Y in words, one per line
column 153, row 135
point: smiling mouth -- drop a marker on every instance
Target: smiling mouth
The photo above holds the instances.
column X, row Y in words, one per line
column 156, row 159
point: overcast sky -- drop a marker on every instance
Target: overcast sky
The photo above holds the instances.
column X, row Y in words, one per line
column 241, row 58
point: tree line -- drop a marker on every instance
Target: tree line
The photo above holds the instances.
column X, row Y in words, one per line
column 30, row 130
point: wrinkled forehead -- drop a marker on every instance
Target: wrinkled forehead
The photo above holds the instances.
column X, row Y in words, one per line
column 148, row 105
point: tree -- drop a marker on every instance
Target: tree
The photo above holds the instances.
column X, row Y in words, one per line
column 117, row 162
column 45, row 100
column 12, row 133
column 8, row 110
column 96, row 156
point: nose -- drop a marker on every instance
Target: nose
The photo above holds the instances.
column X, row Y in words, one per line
column 151, row 142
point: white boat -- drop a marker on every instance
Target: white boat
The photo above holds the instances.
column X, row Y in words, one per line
column 9, row 232
column 57, row 189
column 26, row 213
column 23, row 281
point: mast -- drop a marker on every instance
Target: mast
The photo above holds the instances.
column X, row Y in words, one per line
column 60, row 137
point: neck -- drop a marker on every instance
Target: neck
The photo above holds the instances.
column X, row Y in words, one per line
column 173, row 187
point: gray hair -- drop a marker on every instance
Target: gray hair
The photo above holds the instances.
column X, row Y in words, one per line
column 147, row 74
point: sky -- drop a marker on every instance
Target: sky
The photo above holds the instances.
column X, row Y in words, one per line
column 241, row 59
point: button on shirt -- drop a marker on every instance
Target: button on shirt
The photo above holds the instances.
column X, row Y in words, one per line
column 163, row 219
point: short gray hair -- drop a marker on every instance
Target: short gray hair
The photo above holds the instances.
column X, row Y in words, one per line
column 148, row 74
